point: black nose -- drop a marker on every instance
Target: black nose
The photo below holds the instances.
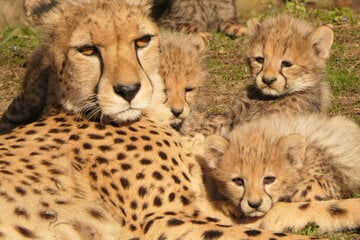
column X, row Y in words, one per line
column 268, row 80
column 255, row 204
column 176, row 112
column 127, row 92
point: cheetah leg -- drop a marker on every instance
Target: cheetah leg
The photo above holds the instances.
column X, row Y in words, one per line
column 333, row 215
column 187, row 227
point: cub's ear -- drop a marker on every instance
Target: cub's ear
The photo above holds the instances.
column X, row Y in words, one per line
column 321, row 40
column 198, row 42
column 292, row 147
column 144, row 5
column 42, row 11
column 214, row 149
column 253, row 26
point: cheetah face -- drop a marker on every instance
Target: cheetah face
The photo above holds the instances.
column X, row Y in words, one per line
column 181, row 61
column 285, row 57
column 251, row 174
column 106, row 60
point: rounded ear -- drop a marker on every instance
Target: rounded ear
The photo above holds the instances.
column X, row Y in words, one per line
column 145, row 5
column 36, row 10
column 321, row 40
column 198, row 42
column 214, row 149
column 253, row 26
column 293, row 147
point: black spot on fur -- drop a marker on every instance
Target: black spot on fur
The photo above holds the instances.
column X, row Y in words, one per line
column 171, row 197
column 121, row 132
column 163, row 155
column 253, row 233
column 87, row 146
column 148, row 225
column 185, row 200
column 146, row 138
column 21, row 212
column 95, row 136
column 157, row 175
column 95, row 213
column 130, row 147
column 125, row 166
column 154, row 132
column 198, row 222
column 104, row 148
column 175, row 222
column 102, row 160
column 145, row 161
column 25, row 232
column 335, row 210
column 133, row 205
column 140, row 176
column 48, row 215
column 157, row 201
column 176, row 179
column 124, row 183
column 20, row 191
column 280, row 234
column 304, row 206
column 121, row 156
column 119, row 140
column 212, row 234
column 148, row 148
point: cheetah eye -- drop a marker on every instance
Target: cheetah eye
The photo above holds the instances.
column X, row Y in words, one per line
column 260, row 60
column 286, row 63
column 88, row 50
column 189, row 89
column 238, row 181
column 143, row 41
column 269, row 180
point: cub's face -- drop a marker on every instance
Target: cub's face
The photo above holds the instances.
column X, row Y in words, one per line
column 252, row 174
column 181, row 67
column 106, row 55
column 287, row 55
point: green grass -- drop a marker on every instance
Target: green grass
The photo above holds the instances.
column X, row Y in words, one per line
column 16, row 43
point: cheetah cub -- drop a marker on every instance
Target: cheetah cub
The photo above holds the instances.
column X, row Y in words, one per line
column 194, row 16
column 181, row 67
column 282, row 159
column 287, row 58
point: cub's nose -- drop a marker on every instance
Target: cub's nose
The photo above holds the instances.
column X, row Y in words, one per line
column 268, row 80
column 176, row 112
column 255, row 204
column 127, row 92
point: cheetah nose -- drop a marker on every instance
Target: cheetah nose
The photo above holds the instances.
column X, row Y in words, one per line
column 127, row 92
column 268, row 80
column 176, row 112
column 255, row 204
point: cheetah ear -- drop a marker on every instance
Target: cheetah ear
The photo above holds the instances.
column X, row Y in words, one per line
column 214, row 149
column 42, row 11
column 253, row 26
column 198, row 42
column 145, row 5
column 321, row 41
column 292, row 147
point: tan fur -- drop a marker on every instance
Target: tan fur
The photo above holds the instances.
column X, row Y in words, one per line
column 278, row 158
column 287, row 58
column 181, row 67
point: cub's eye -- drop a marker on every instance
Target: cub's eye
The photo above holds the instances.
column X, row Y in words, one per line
column 286, row 63
column 88, row 50
column 143, row 41
column 260, row 60
column 238, row 181
column 189, row 89
column 269, row 180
